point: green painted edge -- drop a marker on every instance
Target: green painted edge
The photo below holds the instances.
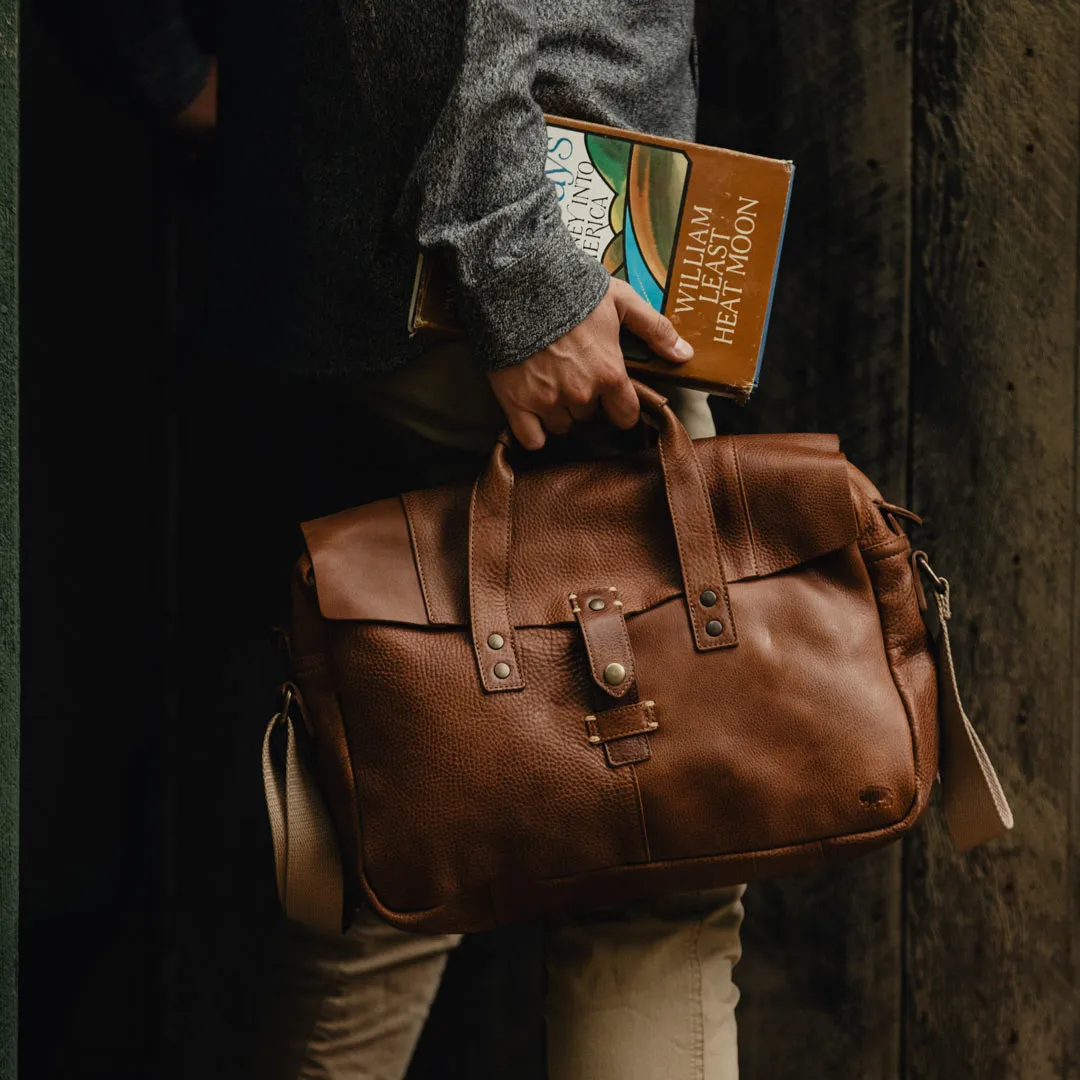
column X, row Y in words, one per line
column 9, row 538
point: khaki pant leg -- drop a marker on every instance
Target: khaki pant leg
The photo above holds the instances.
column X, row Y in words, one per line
column 646, row 992
column 350, row 1007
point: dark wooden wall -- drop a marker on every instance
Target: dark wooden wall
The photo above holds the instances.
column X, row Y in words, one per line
column 9, row 542
column 926, row 310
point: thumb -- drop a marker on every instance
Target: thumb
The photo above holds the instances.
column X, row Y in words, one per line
column 656, row 330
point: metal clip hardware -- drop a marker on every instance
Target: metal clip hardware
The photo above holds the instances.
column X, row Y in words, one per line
column 920, row 563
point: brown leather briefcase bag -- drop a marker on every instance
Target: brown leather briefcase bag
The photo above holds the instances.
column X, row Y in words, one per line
column 698, row 665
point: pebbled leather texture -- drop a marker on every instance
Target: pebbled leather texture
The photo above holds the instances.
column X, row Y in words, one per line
column 804, row 732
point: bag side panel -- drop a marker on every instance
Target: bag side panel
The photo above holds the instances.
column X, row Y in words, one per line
column 911, row 657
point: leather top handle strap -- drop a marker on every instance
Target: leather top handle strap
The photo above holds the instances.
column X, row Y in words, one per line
column 688, row 501
column 494, row 642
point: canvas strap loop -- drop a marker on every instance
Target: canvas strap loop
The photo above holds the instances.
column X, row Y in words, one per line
column 306, row 854
column 976, row 809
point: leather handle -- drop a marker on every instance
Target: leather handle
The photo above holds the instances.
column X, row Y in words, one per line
column 712, row 626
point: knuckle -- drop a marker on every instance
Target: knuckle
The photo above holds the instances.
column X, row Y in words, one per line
column 611, row 375
column 578, row 394
column 663, row 329
column 545, row 397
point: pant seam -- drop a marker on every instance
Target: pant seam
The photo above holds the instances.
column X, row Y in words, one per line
column 696, row 1006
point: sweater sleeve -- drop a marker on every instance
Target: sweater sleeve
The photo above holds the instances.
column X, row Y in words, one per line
column 486, row 203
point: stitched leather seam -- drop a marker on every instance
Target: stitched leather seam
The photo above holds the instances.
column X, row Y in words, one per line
column 744, row 860
column 719, row 562
column 416, row 559
column 593, row 726
column 868, row 522
column 878, row 551
column 909, row 712
column 516, row 679
column 745, row 506
column 473, row 613
column 687, row 587
column 629, row 707
column 641, row 812
column 690, row 586
column 520, row 675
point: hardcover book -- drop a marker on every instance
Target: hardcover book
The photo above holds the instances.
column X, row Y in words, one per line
column 696, row 230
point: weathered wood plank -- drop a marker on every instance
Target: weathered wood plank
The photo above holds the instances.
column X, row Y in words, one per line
column 9, row 538
column 90, row 530
column 827, row 85
column 992, row 984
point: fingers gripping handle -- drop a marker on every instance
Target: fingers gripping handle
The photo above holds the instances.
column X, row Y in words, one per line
column 494, row 643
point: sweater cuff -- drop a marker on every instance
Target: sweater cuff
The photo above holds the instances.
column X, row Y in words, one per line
column 530, row 304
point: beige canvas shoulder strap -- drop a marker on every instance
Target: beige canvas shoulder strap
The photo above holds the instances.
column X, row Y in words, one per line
column 974, row 802
column 306, row 854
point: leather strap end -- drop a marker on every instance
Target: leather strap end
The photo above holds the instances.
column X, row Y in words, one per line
column 622, row 722
column 623, row 732
column 611, row 660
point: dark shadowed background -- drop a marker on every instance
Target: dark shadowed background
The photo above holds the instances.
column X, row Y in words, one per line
column 926, row 310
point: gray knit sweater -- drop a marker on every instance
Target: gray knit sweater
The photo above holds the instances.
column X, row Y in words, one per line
column 354, row 132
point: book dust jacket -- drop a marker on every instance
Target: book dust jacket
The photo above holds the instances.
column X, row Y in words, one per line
column 695, row 230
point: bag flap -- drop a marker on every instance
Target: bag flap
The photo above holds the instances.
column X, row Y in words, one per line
column 779, row 501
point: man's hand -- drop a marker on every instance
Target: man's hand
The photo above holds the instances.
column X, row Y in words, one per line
column 565, row 381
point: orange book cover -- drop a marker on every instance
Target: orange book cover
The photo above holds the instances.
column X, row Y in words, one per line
column 696, row 230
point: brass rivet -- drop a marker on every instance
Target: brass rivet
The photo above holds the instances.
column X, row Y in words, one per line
column 501, row 670
column 597, row 604
column 708, row 598
column 614, row 674
column 495, row 641
column 714, row 628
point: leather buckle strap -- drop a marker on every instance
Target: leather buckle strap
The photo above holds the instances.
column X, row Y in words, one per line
column 623, row 732
column 607, row 644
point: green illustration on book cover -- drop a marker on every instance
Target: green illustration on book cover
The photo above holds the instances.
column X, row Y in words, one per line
column 622, row 202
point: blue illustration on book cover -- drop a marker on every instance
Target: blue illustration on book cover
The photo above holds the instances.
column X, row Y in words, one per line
column 622, row 202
